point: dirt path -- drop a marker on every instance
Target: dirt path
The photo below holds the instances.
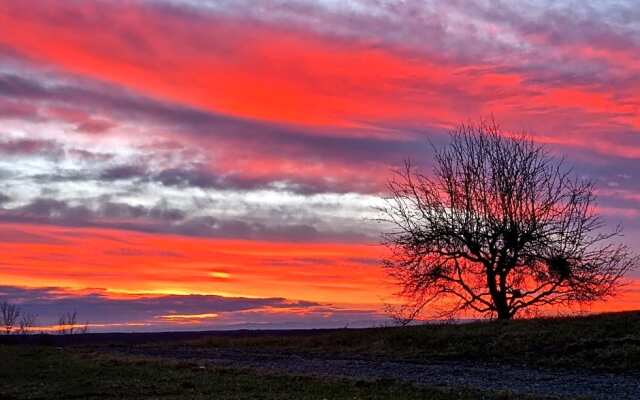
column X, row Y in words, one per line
column 481, row 376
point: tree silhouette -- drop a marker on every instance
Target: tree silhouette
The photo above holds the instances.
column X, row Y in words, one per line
column 499, row 227
column 9, row 314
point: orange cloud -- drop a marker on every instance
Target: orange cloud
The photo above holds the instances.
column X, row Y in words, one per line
column 128, row 265
column 133, row 263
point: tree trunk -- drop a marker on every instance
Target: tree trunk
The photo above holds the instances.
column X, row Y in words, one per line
column 498, row 296
column 503, row 313
column 502, row 308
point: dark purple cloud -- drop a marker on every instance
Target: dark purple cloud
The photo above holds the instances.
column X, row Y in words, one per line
column 98, row 307
column 31, row 147
column 15, row 235
column 108, row 312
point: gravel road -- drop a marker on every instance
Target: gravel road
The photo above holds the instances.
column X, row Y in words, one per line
column 483, row 376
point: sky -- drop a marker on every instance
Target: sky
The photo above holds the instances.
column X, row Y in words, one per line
column 215, row 164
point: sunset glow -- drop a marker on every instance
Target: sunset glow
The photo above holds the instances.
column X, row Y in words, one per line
column 171, row 164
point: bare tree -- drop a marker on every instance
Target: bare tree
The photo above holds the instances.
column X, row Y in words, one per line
column 67, row 323
column 84, row 328
column 10, row 314
column 499, row 228
column 27, row 323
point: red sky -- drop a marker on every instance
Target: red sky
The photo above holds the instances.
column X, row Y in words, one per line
column 170, row 163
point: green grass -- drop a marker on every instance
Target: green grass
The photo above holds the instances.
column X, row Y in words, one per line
column 606, row 342
column 49, row 373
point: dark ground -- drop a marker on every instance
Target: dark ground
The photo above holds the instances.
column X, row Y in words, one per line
column 591, row 357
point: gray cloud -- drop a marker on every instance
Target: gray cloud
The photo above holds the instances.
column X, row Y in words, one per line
column 166, row 220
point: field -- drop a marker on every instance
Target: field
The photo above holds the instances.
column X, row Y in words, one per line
column 588, row 357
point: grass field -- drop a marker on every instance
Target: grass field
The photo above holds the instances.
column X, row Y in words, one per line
column 609, row 342
column 605, row 342
column 30, row 372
